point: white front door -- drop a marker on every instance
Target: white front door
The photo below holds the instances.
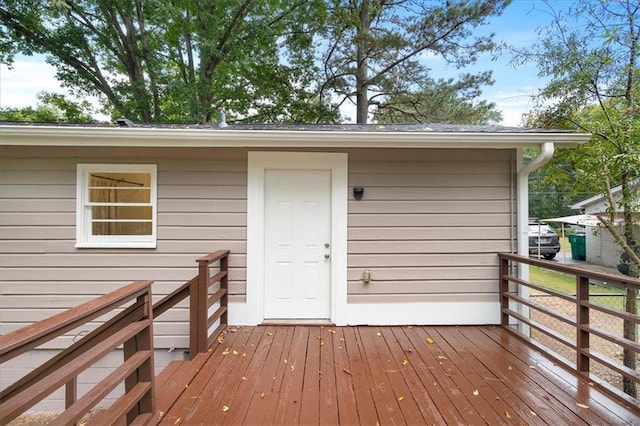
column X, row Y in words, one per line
column 297, row 251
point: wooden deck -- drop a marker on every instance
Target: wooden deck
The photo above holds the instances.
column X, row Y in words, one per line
column 299, row 375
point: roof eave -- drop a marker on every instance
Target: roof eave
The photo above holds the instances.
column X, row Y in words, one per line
column 184, row 137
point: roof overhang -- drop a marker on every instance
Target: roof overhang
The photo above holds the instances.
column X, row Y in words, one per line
column 162, row 137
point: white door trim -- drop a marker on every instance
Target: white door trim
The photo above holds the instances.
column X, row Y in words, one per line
column 258, row 162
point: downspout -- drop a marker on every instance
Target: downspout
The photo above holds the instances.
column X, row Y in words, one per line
column 524, row 170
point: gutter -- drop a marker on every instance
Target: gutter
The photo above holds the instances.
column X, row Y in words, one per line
column 14, row 135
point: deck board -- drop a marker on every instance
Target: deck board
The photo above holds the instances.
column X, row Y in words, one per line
column 318, row 375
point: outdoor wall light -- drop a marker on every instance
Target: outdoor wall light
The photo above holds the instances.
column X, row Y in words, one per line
column 358, row 192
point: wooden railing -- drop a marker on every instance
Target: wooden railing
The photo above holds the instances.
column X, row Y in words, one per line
column 132, row 328
column 200, row 301
column 568, row 330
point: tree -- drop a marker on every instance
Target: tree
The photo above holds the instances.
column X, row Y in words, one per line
column 595, row 87
column 51, row 108
column 374, row 48
column 443, row 101
column 162, row 60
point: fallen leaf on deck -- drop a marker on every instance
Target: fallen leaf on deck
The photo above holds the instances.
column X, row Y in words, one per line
column 442, row 357
column 284, row 360
column 507, row 415
column 533, row 367
column 342, row 339
column 400, row 398
column 510, row 368
column 405, row 362
column 235, row 352
column 225, row 408
column 346, row 371
column 293, row 367
column 244, row 378
column 332, row 331
column 430, row 340
column 269, row 334
column 177, row 420
column 378, row 334
column 262, row 395
column 476, row 393
column 533, row 413
column 581, row 405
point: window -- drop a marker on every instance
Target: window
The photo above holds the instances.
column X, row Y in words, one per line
column 116, row 205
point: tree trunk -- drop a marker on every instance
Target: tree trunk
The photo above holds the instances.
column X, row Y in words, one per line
column 629, row 331
column 362, row 97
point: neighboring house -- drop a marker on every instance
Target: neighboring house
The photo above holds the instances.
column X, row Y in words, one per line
column 601, row 247
column 87, row 209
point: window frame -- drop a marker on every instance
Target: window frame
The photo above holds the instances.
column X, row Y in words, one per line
column 84, row 236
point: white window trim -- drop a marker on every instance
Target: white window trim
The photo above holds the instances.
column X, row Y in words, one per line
column 84, row 239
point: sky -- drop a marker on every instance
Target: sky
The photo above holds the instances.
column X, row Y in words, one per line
column 511, row 91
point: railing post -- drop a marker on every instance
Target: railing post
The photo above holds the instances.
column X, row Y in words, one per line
column 504, row 289
column 198, row 308
column 142, row 341
column 224, row 285
column 582, row 320
column 71, row 392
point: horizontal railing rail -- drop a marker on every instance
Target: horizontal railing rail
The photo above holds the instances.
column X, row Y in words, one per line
column 568, row 329
column 132, row 327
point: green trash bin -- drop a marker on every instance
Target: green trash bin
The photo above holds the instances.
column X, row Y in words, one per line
column 578, row 246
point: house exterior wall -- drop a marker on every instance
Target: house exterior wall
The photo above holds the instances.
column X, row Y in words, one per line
column 601, row 247
column 429, row 225
column 201, row 208
column 428, row 228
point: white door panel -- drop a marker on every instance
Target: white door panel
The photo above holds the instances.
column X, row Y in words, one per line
column 297, row 232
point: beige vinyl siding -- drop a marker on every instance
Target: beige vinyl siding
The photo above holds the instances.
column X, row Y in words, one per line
column 201, row 208
column 428, row 228
column 430, row 224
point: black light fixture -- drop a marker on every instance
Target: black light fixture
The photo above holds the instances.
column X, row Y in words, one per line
column 358, row 192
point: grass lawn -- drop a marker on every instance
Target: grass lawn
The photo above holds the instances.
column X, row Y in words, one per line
column 565, row 283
